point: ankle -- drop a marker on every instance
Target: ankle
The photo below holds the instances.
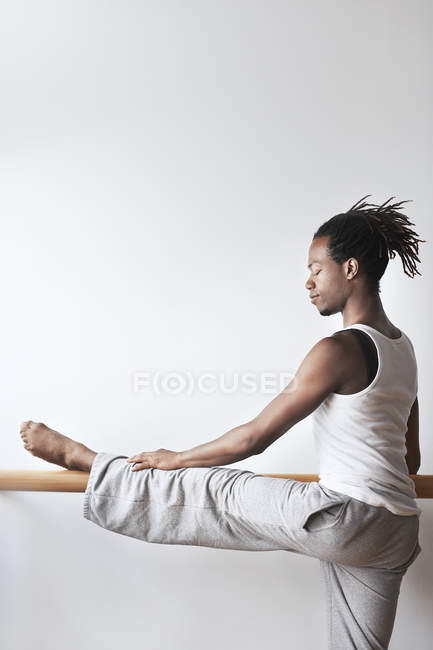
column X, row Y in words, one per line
column 81, row 458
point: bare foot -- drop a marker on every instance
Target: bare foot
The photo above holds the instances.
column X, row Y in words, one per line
column 54, row 447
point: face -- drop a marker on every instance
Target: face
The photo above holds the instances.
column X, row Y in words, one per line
column 327, row 280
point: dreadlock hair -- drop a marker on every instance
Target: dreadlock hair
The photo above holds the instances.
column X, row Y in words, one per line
column 372, row 234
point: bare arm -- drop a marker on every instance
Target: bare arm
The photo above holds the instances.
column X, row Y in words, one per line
column 321, row 372
column 231, row 447
column 413, row 456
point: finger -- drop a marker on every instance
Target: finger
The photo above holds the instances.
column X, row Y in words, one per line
column 142, row 457
column 139, row 466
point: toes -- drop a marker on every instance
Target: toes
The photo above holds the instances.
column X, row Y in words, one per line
column 25, row 426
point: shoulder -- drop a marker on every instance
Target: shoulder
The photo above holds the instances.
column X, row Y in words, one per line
column 352, row 352
column 332, row 347
column 325, row 364
column 347, row 341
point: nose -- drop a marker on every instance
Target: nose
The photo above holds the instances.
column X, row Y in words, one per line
column 309, row 284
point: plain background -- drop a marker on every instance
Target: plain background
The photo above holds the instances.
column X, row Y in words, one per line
column 164, row 166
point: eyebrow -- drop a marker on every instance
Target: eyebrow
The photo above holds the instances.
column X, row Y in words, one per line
column 313, row 262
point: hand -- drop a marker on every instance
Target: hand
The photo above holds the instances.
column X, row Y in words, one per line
column 160, row 459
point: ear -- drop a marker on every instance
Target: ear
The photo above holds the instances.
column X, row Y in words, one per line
column 352, row 268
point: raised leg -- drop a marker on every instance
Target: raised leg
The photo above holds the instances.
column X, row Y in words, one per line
column 219, row 507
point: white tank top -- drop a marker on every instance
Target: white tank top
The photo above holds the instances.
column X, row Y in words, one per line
column 361, row 438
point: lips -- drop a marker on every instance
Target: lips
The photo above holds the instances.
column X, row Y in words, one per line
column 315, row 296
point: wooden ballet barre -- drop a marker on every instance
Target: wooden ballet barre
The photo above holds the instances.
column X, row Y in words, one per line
column 65, row 480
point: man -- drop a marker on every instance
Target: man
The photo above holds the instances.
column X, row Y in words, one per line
column 361, row 519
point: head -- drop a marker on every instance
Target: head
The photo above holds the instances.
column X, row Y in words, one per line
column 350, row 252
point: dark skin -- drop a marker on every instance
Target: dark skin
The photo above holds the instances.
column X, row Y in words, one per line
column 334, row 364
column 342, row 289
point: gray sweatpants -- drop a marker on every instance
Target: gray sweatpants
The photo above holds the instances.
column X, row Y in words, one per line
column 364, row 550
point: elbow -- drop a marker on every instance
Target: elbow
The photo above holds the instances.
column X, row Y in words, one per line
column 255, row 451
column 254, row 439
column 254, row 447
column 260, row 438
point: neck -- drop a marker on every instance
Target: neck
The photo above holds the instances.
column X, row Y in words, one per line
column 367, row 309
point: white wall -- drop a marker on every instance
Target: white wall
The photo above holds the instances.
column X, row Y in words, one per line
column 163, row 168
